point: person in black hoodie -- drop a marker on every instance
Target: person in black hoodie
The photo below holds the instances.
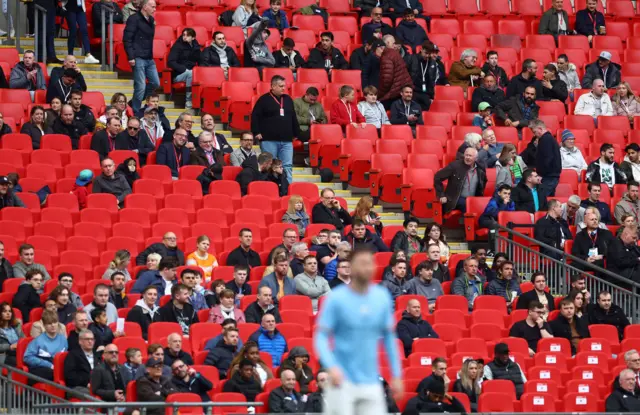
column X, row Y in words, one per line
column 297, row 361
column 253, row 171
column 129, row 169
column 325, row 56
column 276, row 175
column 427, row 71
column 410, row 32
column 433, row 399
column 370, row 71
column 412, row 327
column 179, row 310
column 82, row 113
column 209, row 175
column 526, row 78
column 67, row 124
column 135, row 138
column 145, row 310
column 223, row 353
column 184, row 56
column 360, row 236
column 27, row 298
column 104, row 141
column 288, row 57
column 553, row 88
column 491, row 67
column 244, row 381
column 567, row 323
column 187, row 380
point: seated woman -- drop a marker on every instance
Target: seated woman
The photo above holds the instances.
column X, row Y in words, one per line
column 120, row 263
column 52, row 113
column 37, row 328
column 372, row 110
column 296, row 214
column 36, row 127
column 364, row 211
column 434, row 235
column 202, row 258
column 64, row 308
column 251, row 351
column 226, row 309
column 624, row 102
column 10, row 334
column 344, row 110
column 468, row 382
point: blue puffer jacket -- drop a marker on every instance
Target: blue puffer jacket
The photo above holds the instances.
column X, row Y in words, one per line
column 495, row 206
column 275, row 344
column 503, row 288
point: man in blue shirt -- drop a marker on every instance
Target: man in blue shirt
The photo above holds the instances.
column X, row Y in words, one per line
column 354, row 318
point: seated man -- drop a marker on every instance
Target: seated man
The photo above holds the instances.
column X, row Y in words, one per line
column 398, row 285
column 289, row 57
column 568, row 73
column 101, row 300
column 568, row 326
column 224, row 352
column 39, row 354
column 285, row 398
column 174, row 351
column 408, row 239
column 278, row 281
column 104, row 141
column 243, row 254
column 572, row 212
column 605, row 312
column 479, row 252
column 409, row 31
column 606, row 170
column 361, row 237
column 154, row 386
column 145, row 311
column 425, row 285
column 604, row 70
column 406, row 111
column 27, row 263
column 167, row 248
column 552, row 230
column 80, row 363
column 310, row 284
column 527, row 78
column 263, row 305
column 625, row 397
column 440, row 271
column 527, row 195
column 504, row 285
column 254, row 172
column 413, row 327
column 502, row 367
column 469, row 284
column 533, row 328
column 299, row 251
column 111, row 182
column 464, row 178
column 187, row 380
column 438, row 373
column 539, row 293
column 82, row 112
column 518, row 110
column 595, row 103
column 179, row 310
column 206, row 154
column 67, row 124
column 500, row 202
column 492, row 68
column 219, row 54
column 269, row 340
column 329, row 211
column 308, row 112
column 623, row 257
column 375, row 28
column 326, row 56
column 174, row 154
column 109, row 380
column 488, row 93
column 27, row 74
column 239, row 284
column 27, row 297
column 594, row 201
column 244, row 381
column 629, row 204
column 245, row 151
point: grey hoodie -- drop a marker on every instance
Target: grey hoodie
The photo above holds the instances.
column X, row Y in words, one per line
column 431, row 290
column 258, row 49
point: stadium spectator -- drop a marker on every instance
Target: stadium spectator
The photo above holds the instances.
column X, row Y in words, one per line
column 344, row 110
column 289, row 57
column 329, row 211
column 246, row 15
column 308, row 112
column 259, row 53
column 296, row 214
column 438, row 373
column 66, row 124
column 183, row 57
column 111, row 182
column 596, row 103
column 631, row 164
column 465, row 178
column 571, row 156
column 387, row 274
column 254, row 171
column 129, row 169
column 367, row 60
column 202, row 258
column 224, row 351
column 398, row 284
column 605, row 312
column 37, row 328
column 36, row 126
column 394, row 75
column 310, row 284
column 500, row 80
column 315, row 400
column 239, row 284
column 483, row 119
column 465, row 72
column 552, row 230
column 375, row 28
column 145, row 311
column 528, row 195
column 10, row 334
column 469, row 284
column 104, row 141
column 117, row 295
column 592, row 243
column 251, row 352
column 277, row 17
column 539, row 293
column 589, row 21
column 167, row 248
column 533, row 328
column 219, row 54
column 179, row 310
column 326, row 56
column 108, row 380
column 65, row 308
column 219, row 141
column 297, row 361
column 81, row 187
column 188, row 380
column 27, row 297
column 185, row 122
column 553, row 88
column 500, row 202
column 209, row 175
column 62, row 86
column 70, row 62
column 269, row 339
column 192, row 279
column 154, row 385
column 27, row 262
column 80, row 322
column 244, row 380
column 577, row 297
column 243, row 254
column 278, row 281
column 79, row 364
column 525, row 79
column 284, row 398
column 174, row 352
column 489, row 94
column 473, row 140
column 568, row 326
column 491, row 147
column 82, row 112
column 519, row 110
column 469, row 382
column 504, row 285
column 433, row 398
column 406, row 111
column 568, row 73
column 8, row 197
column 623, row 257
column 6, row 269
column 594, row 190
column 27, row 74
column 40, row 352
column 624, row 102
column 343, row 270
column 175, row 153
column 245, row 151
column 101, row 301
column 409, row 31
column 555, row 21
column 629, row 203
column 412, row 327
column 408, row 240
column 206, row 154
column 226, row 309
column 624, row 397
column 632, row 360
column 502, row 367
column 138, row 43
column 299, row 252
column 361, row 236
column 440, row 271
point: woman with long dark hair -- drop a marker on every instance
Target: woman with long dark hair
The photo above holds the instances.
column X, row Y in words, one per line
column 251, row 351
column 10, row 334
column 65, row 309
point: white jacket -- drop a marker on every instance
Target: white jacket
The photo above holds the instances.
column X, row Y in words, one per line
column 570, row 77
column 586, row 105
column 572, row 159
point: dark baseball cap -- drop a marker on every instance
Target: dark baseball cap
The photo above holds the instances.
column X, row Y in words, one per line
column 153, row 362
column 501, row 348
column 435, row 386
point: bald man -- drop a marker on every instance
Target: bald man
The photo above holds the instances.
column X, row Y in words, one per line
column 168, row 247
column 412, row 327
column 174, row 351
column 465, row 178
column 284, row 398
column 70, row 62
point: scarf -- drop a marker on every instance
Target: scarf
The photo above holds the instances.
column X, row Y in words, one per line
column 227, row 312
column 222, row 54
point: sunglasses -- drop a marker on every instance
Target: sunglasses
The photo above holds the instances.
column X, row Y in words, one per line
column 133, row 128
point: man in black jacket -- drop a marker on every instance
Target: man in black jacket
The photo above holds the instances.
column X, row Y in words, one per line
column 243, row 254
column 104, row 141
column 525, row 79
column 552, row 230
column 465, row 178
column 80, row 362
column 329, row 211
column 548, row 158
column 70, row 62
column 413, row 327
column 168, row 247
column 325, row 56
column 153, row 102
column 184, row 56
column 604, row 69
column 553, row 88
column 108, row 379
column 263, row 305
column 567, row 325
column 370, row 71
column 592, row 243
column 82, row 113
column 285, row 399
column 491, row 67
column 519, row 110
column 187, row 380
column 624, row 397
column 361, row 237
column 375, row 28
column 138, row 44
column 220, row 54
column 179, row 310
column 174, row 351
column 153, row 386
column 135, row 138
column 408, row 240
column 427, row 71
column 527, row 195
column 27, row 298
column 624, row 256
column 244, row 381
column 223, row 353
column 594, row 201
column 275, row 125
column 288, row 57
column 605, row 312
column 539, row 290
column 145, row 310
column 489, row 92
column 254, row 172
column 63, row 85
column 67, row 124
column 406, row 111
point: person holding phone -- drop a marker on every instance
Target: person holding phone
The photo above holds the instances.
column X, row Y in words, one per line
column 329, row 211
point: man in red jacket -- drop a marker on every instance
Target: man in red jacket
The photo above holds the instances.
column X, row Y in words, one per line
column 393, row 73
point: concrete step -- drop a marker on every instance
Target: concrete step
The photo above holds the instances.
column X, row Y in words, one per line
column 29, row 42
column 109, row 83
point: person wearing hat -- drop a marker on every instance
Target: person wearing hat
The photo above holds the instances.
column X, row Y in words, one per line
column 604, row 69
column 153, row 101
column 491, row 67
column 483, row 118
column 589, row 21
column 153, row 387
column 375, row 28
column 151, row 124
column 571, row 155
column 81, row 187
column 502, row 367
column 7, row 196
column 434, row 398
column 257, row 53
column 427, row 71
column 62, row 87
column 410, row 32
column 297, row 361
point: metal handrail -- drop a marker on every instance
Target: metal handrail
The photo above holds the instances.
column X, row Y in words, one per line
column 43, row 11
column 103, row 45
column 116, row 407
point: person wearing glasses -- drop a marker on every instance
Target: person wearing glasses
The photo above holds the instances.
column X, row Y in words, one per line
column 167, row 248
column 466, row 72
column 533, row 328
column 376, row 28
column 108, row 379
column 329, row 211
column 184, row 121
column 245, row 151
column 206, row 154
column 136, row 139
column 175, row 153
column 79, row 364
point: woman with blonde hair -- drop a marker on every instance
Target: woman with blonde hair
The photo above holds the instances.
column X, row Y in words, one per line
column 202, row 258
column 468, row 382
column 624, row 102
column 364, row 213
column 296, row 214
column 120, row 262
column 243, row 13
